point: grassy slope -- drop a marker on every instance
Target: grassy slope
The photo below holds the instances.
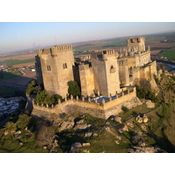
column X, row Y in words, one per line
column 12, row 145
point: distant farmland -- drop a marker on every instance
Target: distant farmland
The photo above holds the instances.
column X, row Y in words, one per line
column 14, row 62
column 170, row 54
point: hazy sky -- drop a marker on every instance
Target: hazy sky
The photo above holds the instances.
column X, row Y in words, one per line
column 24, row 35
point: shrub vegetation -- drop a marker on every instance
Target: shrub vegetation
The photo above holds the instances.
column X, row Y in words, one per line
column 44, row 98
column 33, row 88
column 143, row 93
column 74, row 89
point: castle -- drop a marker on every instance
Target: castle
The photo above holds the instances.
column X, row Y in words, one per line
column 107, row 73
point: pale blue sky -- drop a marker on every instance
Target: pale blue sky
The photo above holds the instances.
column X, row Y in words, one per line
column 23, row 35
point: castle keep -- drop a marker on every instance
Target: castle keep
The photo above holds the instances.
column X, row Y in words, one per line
column 107, row 73
column 54, row 68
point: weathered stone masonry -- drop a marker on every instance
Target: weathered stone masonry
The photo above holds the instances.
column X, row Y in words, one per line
column 101, row 110
column 105, row 74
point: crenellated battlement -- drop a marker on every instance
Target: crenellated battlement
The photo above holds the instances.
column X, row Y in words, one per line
column 84, row 67
column 102, row 109
column 103, row 55
column 123, row 62
column 118, row 97
column 135, row 40
column 54, row 50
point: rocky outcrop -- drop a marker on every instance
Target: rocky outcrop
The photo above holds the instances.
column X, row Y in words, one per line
column 154, row 86
column 121, row 130
column 150, row 104
column 86, row 151
column 117, row 142
column 82, row 127
column 86, row 144
column 143, row 127
column 66, row 125
column 95, row 135
column 80, row 122
column 137, row 149
column 137, row 139
column 130, row 124
column 118, row 119
column 54, row 146
column 143, row 119
column 75, row 147
column 88, row 134
column 139, row 119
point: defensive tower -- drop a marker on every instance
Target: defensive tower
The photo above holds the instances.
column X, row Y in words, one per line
column 56, row 68
column 106, row 73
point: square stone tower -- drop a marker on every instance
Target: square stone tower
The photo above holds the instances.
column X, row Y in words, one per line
column 56, row 68
column 86, row 80
column 106, row 72
column 123, row 71
column 136, row 44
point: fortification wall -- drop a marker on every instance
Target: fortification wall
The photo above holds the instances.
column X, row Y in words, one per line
column 54, row 50
column 153, row 68
column 100, row 81
column 123, row 72
column 144, row 58
column 86, row 80
column 131, row 61
column 100, row 110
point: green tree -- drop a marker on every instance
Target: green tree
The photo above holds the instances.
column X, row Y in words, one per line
column 57, row 97
column 23, row 121
column 169, row 86
column 43, row 97
column 33, row 88
column 74, row 89
column 40, row 97
column 10, row 127
column 141, row 92
column 125, row 109
column 165, row 111
column 156, row 79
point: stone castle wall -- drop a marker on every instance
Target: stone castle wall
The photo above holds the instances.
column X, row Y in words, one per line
column 123, row 72
column 39, row 77
column 101, row 110
column 100, row 81
column 86, row 80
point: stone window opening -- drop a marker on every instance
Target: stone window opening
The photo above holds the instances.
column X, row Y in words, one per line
column 65, row 66
column 112, row 70
column 48, row 68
